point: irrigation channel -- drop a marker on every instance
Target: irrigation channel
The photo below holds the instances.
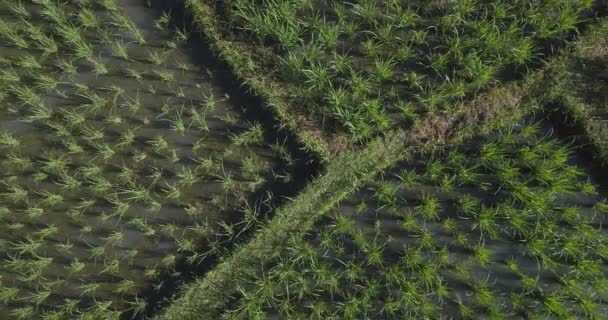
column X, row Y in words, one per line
column 131, row 159
column 507, row 225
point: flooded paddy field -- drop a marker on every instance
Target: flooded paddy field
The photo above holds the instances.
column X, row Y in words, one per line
column 125, row 167
column 506, row 226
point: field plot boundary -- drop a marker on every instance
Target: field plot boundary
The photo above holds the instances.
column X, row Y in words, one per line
column 243, row 66
column 576, row 114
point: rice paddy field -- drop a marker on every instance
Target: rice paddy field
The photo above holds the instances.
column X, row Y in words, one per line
column 123, row 164
column 369, row 65
column 504, row 226
column 303, row 159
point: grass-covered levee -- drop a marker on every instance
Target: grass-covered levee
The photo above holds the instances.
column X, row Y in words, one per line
column 119, row 158
column 509, row 226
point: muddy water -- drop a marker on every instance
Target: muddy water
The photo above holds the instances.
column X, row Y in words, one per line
column 111, row 217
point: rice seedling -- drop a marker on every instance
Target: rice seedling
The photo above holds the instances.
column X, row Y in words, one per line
column 8, row 31
column 7, row 140
column 253, row 135
column 165, row 75
column 120, row 50
column 44, row 42
column 123, row 22
column 157, row 57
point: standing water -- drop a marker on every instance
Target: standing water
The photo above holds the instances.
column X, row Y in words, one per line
column 123, row 163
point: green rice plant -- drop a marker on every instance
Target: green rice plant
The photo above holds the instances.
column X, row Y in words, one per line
column 127, row 137
column 486, row 222
column 8, row 294
column 523, row 51
column 178, row 124
column 99, row 68
column 120, row 50
column 44, row 42
column 132, row 104
column 39, row 112
column 55, row 164
column 67, row 67
column 34, row 212
column 52, row 199
column 39, row 297
column 10, row 75
column 429, row 207
column 491, row 153
column 23, row 313
column 142, row 225
column 114, row 239
column 95, row 103
column 386, row 193
column 88, row 19
column 588, row 188
column 7, row 140
column 187, row 177
column 173, row 192
column 125, row 287
column 384, row 69
column 103, row 150
column 317, row 77
column 166, row 75
column 91, row 171
column 121, row 21
column 47, row 232
column 27, row 246
column 132, row 73
column 138, row 306
column 253, row 135
column 159, row 144
column 135, row 192
column 14, row 192
column 180, row 35
column 9, row 32
column 17, row 8
column 156, row 175
column 72, row 35
column 601, row 207
column 22, row 162
column 28, row 61
column 111, row 267
column 157, row 57
column 89, row 289
column 162, row 23
column 168, row 229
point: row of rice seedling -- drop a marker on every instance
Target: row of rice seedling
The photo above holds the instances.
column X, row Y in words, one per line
column 370, row 65
column 121, row 161
column 505, row 226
